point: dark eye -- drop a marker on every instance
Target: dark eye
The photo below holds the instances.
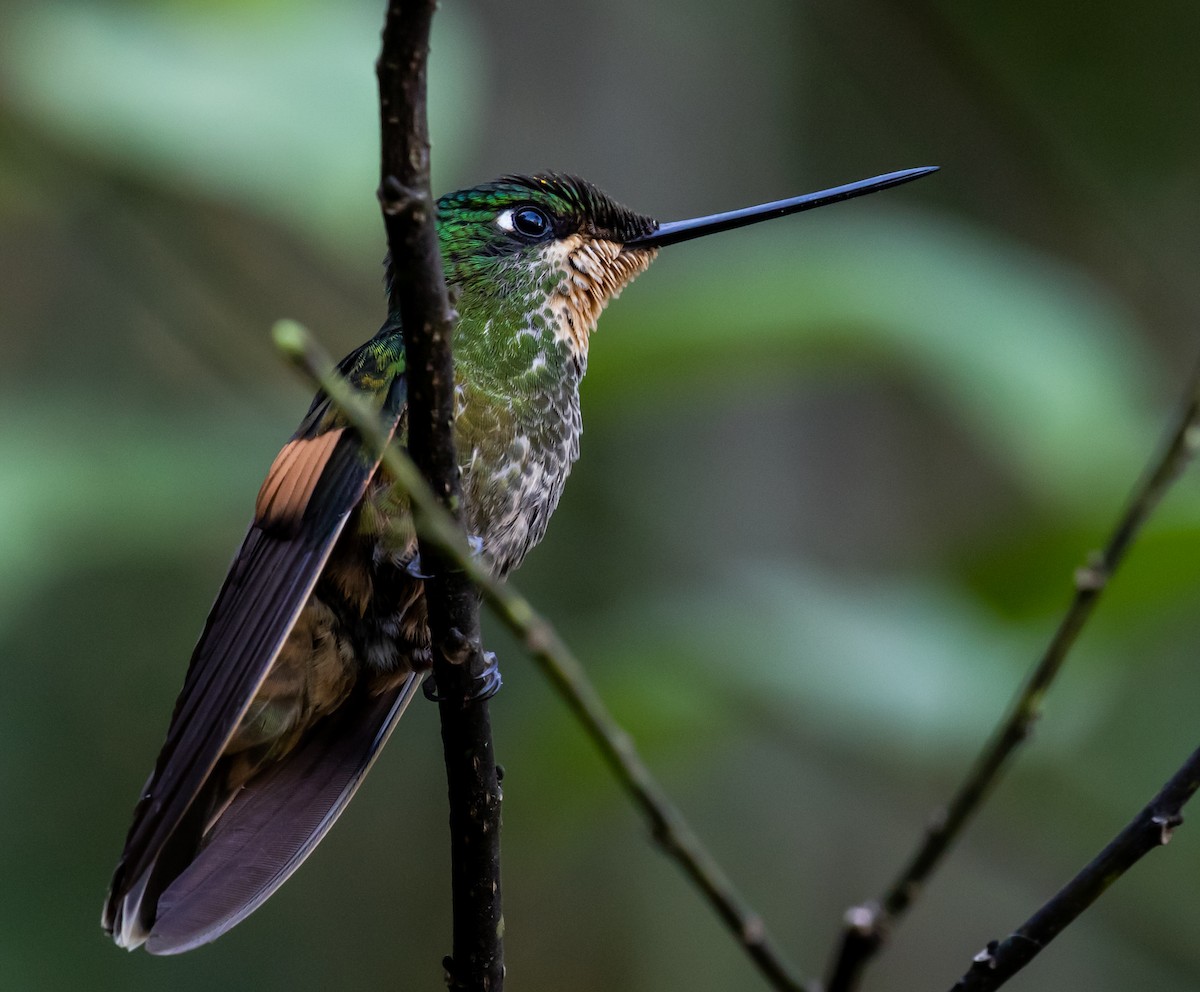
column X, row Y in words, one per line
column 530, row 222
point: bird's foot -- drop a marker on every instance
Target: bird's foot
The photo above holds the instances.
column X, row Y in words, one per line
column 488, row 682
column 413, row 568
column 483, row 686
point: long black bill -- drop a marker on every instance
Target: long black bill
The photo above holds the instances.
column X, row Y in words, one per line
column 673, row 232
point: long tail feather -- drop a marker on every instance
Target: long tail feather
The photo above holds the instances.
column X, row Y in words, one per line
column 275, row 822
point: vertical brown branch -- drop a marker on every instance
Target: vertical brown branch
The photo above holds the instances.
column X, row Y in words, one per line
column 418, row 295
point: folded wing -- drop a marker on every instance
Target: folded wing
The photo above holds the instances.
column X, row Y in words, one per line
column 313, row 488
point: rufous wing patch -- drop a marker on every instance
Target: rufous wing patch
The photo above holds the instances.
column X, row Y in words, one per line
column 289, row 485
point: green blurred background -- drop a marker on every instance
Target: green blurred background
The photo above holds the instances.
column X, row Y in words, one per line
column 836, row 475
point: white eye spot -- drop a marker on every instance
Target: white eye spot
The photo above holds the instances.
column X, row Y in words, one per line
column 504, row 221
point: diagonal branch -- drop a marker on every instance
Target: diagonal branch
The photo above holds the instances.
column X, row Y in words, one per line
column 560, row 666
column 1150, row 829
column 417, row 294
column 867, row 926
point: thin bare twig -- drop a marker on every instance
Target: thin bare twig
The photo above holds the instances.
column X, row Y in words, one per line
column 560, row 666
column 1150, row 829
column 868, row 925
column 418, row 296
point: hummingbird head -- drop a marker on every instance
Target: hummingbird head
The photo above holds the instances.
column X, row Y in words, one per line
column 546, row 251
column 537, row 257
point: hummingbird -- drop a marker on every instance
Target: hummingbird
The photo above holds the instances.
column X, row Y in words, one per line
column 318, row 638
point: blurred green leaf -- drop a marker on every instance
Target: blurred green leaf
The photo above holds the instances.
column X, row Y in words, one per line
column 1047, row 370
column 1027, row 573
column 67, row 501
column 910, row 664
column 272, row 104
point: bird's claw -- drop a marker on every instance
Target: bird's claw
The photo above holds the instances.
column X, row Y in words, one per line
column 488, row 682
column 413, row 567
column 485, row 685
